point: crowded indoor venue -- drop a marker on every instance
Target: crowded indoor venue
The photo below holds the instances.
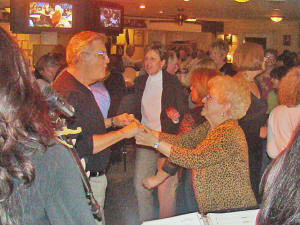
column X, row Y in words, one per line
column 161, row 112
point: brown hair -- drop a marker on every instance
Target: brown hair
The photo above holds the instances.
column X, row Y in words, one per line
column 221, row 46
column 289, row 88
column 159, row 49
column 248, row 56
column 200, row 78
column 80, row 41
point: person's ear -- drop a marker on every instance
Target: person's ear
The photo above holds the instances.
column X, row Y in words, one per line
column 82, row 57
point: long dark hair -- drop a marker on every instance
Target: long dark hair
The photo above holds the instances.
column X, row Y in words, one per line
column 24, row 119
column 280, row 183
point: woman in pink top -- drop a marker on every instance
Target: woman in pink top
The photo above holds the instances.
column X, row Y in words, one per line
column 284, row 118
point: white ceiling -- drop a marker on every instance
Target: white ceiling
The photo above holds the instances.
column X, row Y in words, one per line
column 207, row 9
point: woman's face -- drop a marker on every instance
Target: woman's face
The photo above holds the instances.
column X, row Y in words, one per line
column 195, row 95
column 212, row 109
column 153, row 63
column 216, row 55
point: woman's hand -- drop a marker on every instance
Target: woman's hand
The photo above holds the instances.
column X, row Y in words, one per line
column 145, row 137
column 152, row 181
column 131, row 130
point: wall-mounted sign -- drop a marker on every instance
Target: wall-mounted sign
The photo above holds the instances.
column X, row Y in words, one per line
column 135, row 23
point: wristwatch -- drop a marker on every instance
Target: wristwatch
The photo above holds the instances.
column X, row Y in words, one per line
column 156, row 145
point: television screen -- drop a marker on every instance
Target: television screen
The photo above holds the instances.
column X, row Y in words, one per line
column 50, row 15
column 110, row 17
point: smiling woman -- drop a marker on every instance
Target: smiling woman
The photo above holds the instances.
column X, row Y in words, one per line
column 155, row 59
column 216, row 150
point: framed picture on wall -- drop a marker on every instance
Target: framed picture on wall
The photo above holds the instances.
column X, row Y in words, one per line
column 286, row 40
column 138, row 39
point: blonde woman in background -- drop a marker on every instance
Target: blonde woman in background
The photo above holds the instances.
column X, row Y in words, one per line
column 248, row 60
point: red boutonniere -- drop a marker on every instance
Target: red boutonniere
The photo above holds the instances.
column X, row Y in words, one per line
column 173, row 114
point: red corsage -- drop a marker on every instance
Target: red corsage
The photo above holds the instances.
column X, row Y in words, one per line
column 173, row 114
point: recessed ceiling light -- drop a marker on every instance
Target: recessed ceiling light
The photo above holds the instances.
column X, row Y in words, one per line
column 142, row 6
column 186, row 0
column 276, row 19
column 241, row 0
column 161, row 12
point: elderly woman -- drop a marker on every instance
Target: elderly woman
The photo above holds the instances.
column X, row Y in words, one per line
column 248, row 60
column 284, row 118
column 199, row 80
column 216, row 151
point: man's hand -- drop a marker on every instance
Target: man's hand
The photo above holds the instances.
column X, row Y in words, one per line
column 123, row 119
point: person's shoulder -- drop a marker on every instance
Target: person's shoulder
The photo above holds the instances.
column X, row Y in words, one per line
column 170, row 78
column 141, row 79
column 53, row 152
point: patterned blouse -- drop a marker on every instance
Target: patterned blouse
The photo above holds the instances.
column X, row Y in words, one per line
column 219, row 163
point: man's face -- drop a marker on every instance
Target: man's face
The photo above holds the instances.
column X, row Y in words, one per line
column 96, row 61
column 153, row 63
column 173, row 66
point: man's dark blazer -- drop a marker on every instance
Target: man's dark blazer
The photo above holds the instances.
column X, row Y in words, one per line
column 173, row 95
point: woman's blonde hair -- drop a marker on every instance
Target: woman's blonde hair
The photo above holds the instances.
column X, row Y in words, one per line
column 289, row 88
column 233, row 90
column 199, row 79
column 248, row 57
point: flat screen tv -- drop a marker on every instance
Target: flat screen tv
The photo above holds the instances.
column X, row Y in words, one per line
column 106, row 17
column 42, row 14
column 35, row 16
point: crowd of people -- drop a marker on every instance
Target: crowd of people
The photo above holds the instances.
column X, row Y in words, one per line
column 205, row 131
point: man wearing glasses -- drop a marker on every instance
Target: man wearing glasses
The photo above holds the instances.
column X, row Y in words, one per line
column 87, row 61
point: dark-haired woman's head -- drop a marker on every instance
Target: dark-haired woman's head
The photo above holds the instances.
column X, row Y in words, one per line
column 280, row 186
column 23, row 117
column 48, row 66
column 276, row 74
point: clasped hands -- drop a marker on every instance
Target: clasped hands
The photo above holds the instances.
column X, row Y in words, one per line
column 142, row 134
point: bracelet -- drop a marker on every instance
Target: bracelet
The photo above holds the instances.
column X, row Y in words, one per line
column 112, row 124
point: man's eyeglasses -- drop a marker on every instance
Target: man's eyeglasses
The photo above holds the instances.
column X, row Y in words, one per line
column 103, row 54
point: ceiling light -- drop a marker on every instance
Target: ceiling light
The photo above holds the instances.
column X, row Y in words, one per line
column 142, row 6
column 276, row 19
column 191, row 20
column 161, row 12
column 241, row 0
column 276, row 15
column 186, row 0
